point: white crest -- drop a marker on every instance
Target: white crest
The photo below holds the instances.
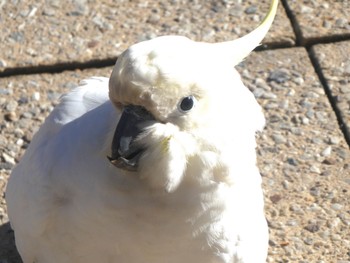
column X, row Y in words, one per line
column 240, row 48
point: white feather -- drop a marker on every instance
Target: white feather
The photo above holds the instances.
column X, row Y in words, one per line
column 67, row 203
column 196, row 196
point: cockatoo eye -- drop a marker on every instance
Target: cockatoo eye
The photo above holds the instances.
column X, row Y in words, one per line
column 186, row 104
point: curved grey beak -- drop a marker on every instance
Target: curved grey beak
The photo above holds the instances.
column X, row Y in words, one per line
column 126, row 154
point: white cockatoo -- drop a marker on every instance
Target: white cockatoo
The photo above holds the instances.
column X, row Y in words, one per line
column 155, row 165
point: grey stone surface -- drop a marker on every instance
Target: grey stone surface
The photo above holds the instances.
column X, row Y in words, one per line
column 34, row 33
column 303, row 159
column 317, row 19
column 334, row 62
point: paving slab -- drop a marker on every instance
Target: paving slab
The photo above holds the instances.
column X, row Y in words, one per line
column 320, row 19
column 47, row 32
column 334, row 62
column 303, row 158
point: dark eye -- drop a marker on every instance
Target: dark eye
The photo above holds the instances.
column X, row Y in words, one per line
column 187, row 103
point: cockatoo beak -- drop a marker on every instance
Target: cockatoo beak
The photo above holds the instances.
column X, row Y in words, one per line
column 125, row 153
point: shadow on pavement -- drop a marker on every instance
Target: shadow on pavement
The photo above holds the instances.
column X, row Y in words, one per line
column 8, row 251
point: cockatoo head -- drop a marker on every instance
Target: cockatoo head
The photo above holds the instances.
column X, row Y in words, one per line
column 186, row 114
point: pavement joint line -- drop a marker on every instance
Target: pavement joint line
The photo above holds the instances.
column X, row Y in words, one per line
column 58, row 68
column 294, row 23
column 300, row 41
column 308, row 43
column 332, row 99
column 108, row 62
column 273, row 46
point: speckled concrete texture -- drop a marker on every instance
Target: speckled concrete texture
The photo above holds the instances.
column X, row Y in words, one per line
column 39, row 33
column 319, row 19
column 301, row 83
column 303, row 159
column 334, row 62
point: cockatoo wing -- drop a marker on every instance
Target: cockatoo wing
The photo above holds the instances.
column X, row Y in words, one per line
column 74, row 135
